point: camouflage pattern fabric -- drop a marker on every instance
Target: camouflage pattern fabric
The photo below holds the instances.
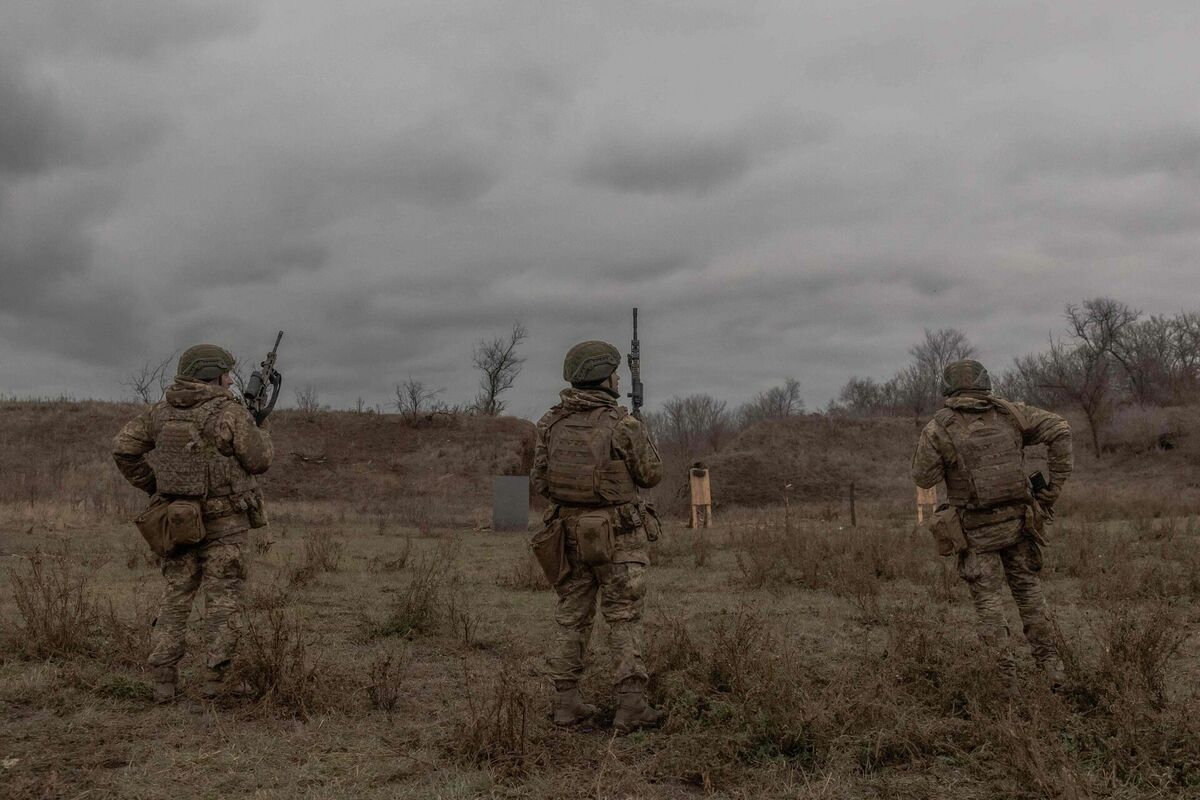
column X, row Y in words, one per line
column 242, row 450
column 620, row 586
column 1019, row 565
column 621, row 590
column 1003, row 552
column 217, row 567
column 630, row 443
column 935, row 460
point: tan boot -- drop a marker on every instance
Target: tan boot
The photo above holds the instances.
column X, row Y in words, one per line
column 165, row 684
column 633, row 712
column 569, row 708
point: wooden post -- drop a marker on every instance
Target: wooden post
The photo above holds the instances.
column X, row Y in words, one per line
column 926, row 502
column 701, row 496
column 853, row 515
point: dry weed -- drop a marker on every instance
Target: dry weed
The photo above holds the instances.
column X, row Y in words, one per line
column 276, row 663
column 57, row 608
column 497, row 729
column 385, row 678
column 524, row 574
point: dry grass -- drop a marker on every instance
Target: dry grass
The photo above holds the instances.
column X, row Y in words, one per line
column 796, row 656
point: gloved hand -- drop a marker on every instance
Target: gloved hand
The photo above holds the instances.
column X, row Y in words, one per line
column 1048, row 496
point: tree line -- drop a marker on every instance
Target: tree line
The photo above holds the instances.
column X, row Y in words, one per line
column 1107, row 356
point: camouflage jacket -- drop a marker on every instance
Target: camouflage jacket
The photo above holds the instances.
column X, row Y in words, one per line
column 245, row 448
column 935, row 457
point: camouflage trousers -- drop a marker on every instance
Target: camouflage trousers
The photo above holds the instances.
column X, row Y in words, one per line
column 219, row 569
column 1018, row 565
column 621, row 589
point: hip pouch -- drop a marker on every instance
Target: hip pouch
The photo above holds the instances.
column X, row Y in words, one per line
column 549, row 546
column 168, row 525
column 947, row 531
column 594, row 535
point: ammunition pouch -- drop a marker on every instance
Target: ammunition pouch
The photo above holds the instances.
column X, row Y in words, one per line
column 549, row 546
column 169, row 525
column 650, row 520
column 594, row 538
column 947, row 530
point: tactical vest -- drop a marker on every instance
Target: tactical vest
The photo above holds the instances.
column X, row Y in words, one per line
column 989, row 468
column 581, row 468
column 187, row 461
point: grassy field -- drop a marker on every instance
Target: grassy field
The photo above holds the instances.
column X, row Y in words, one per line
column 797, row 657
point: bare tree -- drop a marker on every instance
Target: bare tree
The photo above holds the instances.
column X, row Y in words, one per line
column 931, row 356
column 694, row 424
column 775, row 403
column 499, row 365
column 1086, row 370
column 148, row 382
column 859, row 395
column 308, row 401
column 412, row 397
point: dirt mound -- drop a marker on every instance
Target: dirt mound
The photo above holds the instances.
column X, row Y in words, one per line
column 818, row 457
column 433, row 469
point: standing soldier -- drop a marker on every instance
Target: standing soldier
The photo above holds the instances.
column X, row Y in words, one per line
column 976, row 444
column 207, row 449
column 591, row 457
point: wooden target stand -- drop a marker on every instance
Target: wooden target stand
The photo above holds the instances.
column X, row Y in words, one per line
column 701, row 496
column 927, row 503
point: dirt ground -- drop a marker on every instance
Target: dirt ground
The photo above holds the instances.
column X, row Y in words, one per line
column 797, row 658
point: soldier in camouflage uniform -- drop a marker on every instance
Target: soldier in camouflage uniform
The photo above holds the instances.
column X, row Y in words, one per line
column 207, row 447
column 591, row 457
column 975, row 444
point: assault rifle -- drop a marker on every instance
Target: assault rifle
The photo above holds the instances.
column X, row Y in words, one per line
column 256, row 389
column 636, row 395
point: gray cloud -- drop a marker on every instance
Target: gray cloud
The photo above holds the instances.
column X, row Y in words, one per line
column 782, row 190
column 667, row 166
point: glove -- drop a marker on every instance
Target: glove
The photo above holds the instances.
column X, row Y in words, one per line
column 1048, row 496
column 261, row 415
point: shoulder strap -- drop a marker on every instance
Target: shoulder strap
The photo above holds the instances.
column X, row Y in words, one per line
column 1011, row 409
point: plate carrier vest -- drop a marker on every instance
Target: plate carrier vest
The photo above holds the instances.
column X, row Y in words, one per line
column 989, row 472
column 581, row 470
column 187, row 461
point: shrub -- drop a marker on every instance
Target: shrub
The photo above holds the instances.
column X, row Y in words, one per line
column 56, row 605
column 276, row 664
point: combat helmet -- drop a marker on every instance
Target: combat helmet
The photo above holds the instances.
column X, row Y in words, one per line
column 964, row 376
column 205, row 362
column 591, row 362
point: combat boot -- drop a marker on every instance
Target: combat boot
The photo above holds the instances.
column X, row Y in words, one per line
column 633, row 712
column 569, row 708
column 165, row 684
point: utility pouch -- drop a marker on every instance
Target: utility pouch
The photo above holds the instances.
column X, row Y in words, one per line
column 168, row 525
column 946, row 528
column 650, row 521
column 594, row 535
column 255, row 510
column 549, row 547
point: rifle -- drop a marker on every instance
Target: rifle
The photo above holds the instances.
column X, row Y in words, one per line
column 636, row 396
column 256, row 389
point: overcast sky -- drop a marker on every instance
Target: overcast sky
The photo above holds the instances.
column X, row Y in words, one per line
column 783, row 188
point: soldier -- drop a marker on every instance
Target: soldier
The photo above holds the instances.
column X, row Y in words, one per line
column 976, row 444
column 591, row 457
column 207, row 447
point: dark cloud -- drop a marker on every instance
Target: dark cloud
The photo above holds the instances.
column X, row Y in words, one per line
column 671, row 165
column 781, row 189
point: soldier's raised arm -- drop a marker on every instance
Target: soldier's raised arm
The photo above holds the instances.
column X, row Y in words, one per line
column 632, row 443
column 130, row 447
column 238, row 436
